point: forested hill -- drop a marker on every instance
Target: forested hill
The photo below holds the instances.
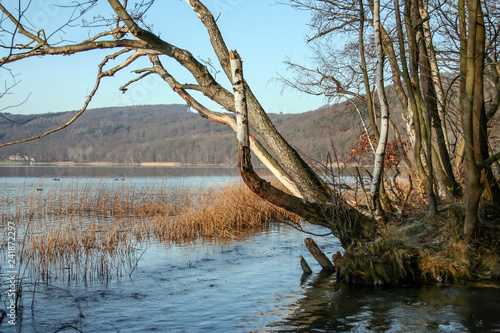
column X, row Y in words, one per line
column 167, row 133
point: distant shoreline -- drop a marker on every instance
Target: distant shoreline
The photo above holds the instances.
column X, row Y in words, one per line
column 148, row 164
column 167, row 164
column 334, row 166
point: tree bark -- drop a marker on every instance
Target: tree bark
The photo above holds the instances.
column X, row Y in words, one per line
column 472, row 102
column 378, row 167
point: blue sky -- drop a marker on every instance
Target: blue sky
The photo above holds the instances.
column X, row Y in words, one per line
column 263, row 32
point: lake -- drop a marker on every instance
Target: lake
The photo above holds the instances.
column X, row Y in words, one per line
column 252, row 284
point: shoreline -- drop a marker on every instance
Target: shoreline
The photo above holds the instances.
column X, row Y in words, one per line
column 147, row 164
column 341, row 165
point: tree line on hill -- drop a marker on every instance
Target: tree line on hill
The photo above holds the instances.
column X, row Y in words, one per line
column 169, row 133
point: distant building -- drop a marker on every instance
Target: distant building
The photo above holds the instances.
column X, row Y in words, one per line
column 19, row 157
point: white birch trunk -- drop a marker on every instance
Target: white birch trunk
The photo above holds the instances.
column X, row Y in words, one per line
column 239, row 99
column 384, row 109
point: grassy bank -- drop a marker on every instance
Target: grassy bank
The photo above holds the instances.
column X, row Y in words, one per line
column 417, row 248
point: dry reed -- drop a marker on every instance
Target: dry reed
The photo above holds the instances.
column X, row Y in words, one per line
column 219, row 213
column 91, row 230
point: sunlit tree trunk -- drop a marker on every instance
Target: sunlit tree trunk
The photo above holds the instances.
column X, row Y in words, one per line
column 474, row 116
column 378, row 167
column 410, row 77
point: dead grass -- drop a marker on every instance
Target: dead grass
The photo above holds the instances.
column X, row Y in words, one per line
column 380, row 262
column 220, row 213
column 91, row 231
column 422, row 248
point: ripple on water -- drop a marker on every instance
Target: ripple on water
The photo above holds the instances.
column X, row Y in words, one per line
column 255, row 284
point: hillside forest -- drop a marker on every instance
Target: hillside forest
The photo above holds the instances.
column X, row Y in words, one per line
column 171, row 133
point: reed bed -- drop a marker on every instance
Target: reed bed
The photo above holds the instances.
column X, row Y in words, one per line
column 92, row 231
column 97, row 199
column 219, row 213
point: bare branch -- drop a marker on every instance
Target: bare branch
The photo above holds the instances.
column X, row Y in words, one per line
column 489, row 161
column 224, row 118
column 100, row 75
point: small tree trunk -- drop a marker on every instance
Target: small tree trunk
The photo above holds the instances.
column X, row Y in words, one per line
column 305, row 266
column 384, row 115
column 369, row 100
column 474, row 120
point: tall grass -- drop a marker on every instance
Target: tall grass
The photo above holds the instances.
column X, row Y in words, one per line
column 93, row 230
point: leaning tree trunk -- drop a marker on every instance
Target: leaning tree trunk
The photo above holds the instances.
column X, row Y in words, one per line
column 345, row 222
column 308, row 182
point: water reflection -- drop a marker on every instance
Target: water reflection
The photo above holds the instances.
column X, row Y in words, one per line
column 331, row 307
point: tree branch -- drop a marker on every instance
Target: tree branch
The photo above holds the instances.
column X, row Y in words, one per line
column 487, row 162
column 100, row 75
column 226, row 119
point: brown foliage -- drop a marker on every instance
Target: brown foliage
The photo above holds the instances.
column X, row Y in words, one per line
column 362, row 146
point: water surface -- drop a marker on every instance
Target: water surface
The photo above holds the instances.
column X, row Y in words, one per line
column 248, row 285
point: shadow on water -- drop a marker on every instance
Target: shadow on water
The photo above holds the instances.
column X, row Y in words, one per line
column 327, row 306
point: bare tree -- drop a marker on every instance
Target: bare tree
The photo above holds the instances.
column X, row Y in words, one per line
column 311, row 198
column 403, row 41
column 415, row 50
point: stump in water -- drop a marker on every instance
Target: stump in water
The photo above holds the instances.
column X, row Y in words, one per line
column 305, row 266
column 320, row 257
